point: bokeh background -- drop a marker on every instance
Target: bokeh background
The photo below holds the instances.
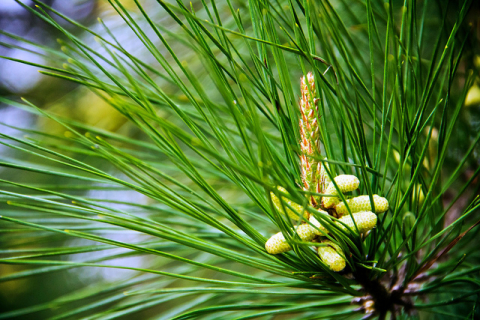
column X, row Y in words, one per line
column 66, row 98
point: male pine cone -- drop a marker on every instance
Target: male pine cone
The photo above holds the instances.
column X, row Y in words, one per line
column 291, row 213
column 345, row 183
column 364, row 220
column 331, row 254
column 278, row 244
column 362, row 203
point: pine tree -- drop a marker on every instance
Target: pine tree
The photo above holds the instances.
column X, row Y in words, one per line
column 336, row 129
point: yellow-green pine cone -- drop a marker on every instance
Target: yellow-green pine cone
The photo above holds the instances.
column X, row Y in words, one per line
column 362, row 203
column 305, row 232
column 345, row 183
column 331, row 255
column 365, row 220
column 330, row 202
column 278, row 244
column 321, row 230
column 292, row 214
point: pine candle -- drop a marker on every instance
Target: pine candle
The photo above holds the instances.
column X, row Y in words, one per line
column 310, row 138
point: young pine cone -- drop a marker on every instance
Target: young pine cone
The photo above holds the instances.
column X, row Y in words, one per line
column 364, row 220
column 292, row 214
column 332, row 255
column 278, row 244
column 345, row 183
column 362, row 203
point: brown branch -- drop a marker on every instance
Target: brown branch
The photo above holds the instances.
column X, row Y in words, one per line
column 443, row 252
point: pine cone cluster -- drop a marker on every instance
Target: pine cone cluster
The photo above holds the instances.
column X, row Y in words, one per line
column 353, row 216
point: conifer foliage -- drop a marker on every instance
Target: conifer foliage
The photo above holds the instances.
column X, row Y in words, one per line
column 262, row 160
